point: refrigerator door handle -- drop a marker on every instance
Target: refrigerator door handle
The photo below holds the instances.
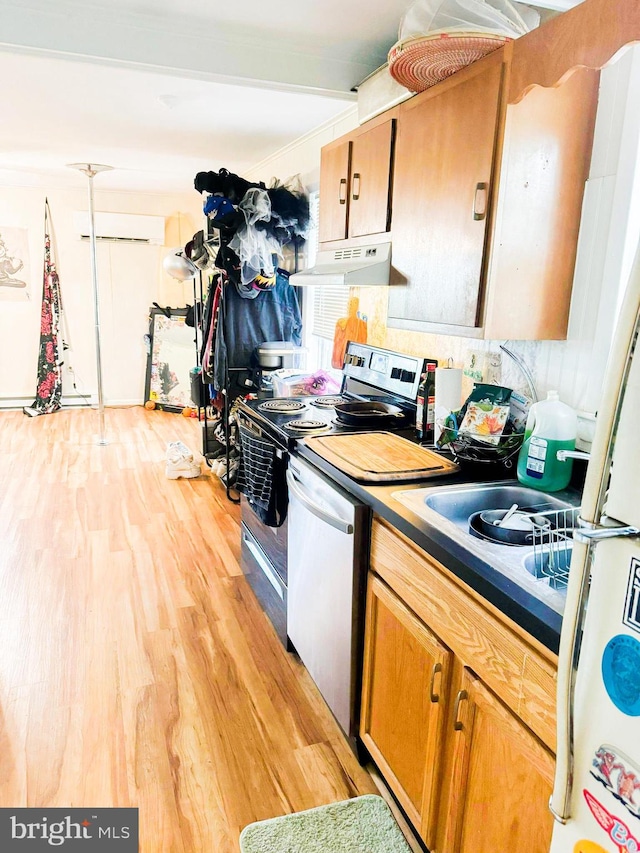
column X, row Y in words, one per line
column 586, row 538
column 596, row 533
column 572, row 622
column 323, row 515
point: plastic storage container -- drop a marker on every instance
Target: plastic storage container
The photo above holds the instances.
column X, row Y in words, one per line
column 294, row 383
column 551, row 426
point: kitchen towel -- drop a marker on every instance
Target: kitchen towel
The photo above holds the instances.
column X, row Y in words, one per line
column 261, row 478
column 448, row 394
column 362, row 825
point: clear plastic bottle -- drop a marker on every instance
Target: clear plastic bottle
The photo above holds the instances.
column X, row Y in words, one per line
column 551, row 426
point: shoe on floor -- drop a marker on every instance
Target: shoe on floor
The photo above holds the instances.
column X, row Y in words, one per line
column 178, row 450
column 182, row 468
column 180, row 462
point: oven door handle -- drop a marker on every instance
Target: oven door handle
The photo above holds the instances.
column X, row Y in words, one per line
column 323, row 515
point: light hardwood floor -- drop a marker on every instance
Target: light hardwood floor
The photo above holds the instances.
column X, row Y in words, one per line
column 136, row 667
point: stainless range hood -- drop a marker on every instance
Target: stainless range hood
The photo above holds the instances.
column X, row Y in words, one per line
column 356, row 266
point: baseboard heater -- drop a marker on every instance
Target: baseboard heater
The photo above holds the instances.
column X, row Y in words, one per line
column 73, row 401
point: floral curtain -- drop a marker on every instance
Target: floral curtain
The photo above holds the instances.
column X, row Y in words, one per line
column 49, row 382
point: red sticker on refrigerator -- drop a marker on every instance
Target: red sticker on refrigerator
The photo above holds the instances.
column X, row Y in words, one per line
column 619, row 776
column 616, row 829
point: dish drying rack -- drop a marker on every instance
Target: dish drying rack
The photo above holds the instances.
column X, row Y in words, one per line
column 470, row 447
column 552, row 546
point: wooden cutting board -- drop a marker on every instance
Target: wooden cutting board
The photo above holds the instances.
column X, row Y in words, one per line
column 380, row 457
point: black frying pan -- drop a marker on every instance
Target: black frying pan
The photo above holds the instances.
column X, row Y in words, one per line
column 483, row 523
column 368, row 413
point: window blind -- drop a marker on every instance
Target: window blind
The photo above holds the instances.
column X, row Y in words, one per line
column 329, row 304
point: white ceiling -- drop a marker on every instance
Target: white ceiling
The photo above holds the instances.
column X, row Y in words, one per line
column 157, row 130
column 161, row 89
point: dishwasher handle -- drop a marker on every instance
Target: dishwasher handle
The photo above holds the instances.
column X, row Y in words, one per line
column 323, row 515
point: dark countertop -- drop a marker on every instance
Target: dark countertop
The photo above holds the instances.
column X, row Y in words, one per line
column 534, row 615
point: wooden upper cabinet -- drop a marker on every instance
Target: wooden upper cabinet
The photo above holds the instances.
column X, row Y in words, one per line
column 488, row 179
column 334, row 191
column 587, row 36
column 551, row 101
column 500, row 778
column 548, row 138
column 442, row 188
column 355, row 183
column 369, row 207
column 405, row 685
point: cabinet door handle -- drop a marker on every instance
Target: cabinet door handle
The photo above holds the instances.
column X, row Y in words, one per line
column 355, row 195
column 480, row 201
column 342, row 192
column 457, row 722
column 435, row 697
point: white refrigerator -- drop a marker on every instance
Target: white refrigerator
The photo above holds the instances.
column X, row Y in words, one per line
column 596, row 795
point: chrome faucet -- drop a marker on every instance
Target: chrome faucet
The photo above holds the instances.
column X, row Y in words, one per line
column 563, row 455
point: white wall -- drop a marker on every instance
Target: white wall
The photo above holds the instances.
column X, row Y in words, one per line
column 130, row 279
column 302, row 157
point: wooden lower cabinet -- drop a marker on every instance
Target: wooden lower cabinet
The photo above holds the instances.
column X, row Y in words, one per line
column 470, row 775
column 499, row 778
column 405, row 685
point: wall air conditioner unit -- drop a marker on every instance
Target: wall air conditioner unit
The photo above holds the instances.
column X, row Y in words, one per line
column 121, row 227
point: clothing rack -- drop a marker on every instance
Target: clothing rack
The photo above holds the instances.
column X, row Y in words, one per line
column 232, row 494
column 225, row 393
column 195, row 322
column 233, row 200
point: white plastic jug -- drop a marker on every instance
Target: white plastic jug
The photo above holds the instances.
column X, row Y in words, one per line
column 551, row 426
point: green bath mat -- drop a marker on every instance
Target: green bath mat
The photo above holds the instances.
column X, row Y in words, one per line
column 362, row 825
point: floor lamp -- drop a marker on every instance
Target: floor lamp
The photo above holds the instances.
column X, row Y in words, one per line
column 91, row 170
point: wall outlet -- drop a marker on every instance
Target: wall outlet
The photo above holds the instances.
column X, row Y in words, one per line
column 484, row 366
column 493, row 368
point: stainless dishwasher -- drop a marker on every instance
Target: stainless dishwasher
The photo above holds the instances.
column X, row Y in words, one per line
column 328, row 554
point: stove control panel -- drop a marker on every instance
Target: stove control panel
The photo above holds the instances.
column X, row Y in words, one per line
column 383, row 371
column 354, row 360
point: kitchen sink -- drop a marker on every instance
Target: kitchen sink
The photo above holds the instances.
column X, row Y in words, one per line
column 457, row 504
column 550, row 563
column 541, row 571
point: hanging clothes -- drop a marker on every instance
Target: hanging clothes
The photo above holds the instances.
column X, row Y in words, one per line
column 256, row 248
column 49, row 381
column 246, row 323
column 209, row 325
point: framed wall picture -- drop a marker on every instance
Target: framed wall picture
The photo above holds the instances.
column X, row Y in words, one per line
column 15, row 274
column 172, row 355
